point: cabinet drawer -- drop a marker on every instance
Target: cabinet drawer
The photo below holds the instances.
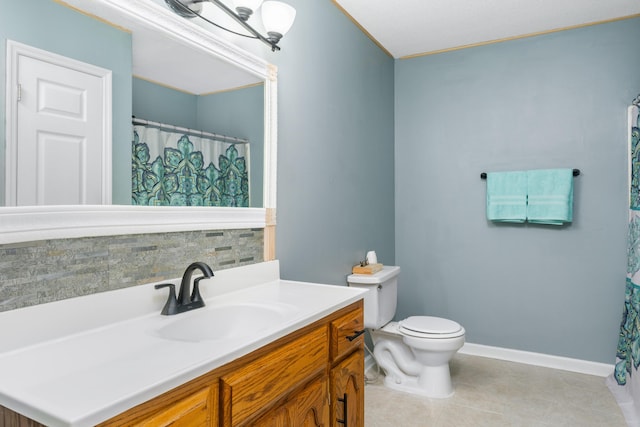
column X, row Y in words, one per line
column 192, row 411
column 251, row 389
column 347, row 333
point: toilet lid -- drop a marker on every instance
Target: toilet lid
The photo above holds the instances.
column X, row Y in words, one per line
column 430, row 327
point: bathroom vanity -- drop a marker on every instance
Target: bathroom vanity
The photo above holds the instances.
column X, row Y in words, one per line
column 285, row 383
column 297, row 361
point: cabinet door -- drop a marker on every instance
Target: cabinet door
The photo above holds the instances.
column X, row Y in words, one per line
column 306, row 408
column 311, row 406
column 347, row 392
column 278, row 417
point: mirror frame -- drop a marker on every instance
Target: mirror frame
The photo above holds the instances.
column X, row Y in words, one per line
column 30, row 223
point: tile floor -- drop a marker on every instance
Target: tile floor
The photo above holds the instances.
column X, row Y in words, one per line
column 495, row 393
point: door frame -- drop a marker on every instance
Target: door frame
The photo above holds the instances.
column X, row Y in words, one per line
column 14, row 51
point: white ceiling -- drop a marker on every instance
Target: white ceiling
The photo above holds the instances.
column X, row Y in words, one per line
column 414, row 27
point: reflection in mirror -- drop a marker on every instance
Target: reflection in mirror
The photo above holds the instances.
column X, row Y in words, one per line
column 156, row 77
column 202, row 163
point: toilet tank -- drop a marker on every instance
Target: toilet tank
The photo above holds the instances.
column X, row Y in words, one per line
column 380, row 302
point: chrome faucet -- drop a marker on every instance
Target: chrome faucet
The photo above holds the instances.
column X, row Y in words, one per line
column 186, row 300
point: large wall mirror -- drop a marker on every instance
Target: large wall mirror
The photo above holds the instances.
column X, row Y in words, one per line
column 164, row 69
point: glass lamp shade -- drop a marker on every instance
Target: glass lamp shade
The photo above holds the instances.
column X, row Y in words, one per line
column 277, row 17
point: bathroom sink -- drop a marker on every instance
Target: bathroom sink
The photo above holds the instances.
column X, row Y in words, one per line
column 226, row 321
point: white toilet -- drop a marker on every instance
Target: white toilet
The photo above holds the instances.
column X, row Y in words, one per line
column 415, row 352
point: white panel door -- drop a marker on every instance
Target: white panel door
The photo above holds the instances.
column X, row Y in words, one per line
column 60, row 153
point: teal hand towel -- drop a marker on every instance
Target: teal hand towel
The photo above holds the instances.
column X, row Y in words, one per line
column 507, row 196
column 550, row 198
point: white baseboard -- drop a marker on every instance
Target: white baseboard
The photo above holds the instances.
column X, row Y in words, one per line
column 528, row 358
column 539, row 359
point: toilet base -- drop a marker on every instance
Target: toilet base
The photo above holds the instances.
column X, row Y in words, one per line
column 421, row 368
column 434, row 382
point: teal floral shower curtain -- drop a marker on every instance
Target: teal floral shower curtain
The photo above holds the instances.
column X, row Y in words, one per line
column 174, row 169
column 625, row 380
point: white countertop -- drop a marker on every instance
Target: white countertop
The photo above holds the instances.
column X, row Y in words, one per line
column 82, row 361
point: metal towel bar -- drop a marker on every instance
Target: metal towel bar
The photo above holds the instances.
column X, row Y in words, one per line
column 576, row 172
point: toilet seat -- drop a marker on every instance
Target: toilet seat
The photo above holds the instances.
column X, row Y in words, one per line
column 430, row 327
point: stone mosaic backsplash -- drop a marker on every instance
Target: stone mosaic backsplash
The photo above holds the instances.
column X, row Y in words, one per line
column 49, row 270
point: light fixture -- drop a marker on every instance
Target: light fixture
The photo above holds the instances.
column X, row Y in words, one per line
column 246, row 7
column 277, row 17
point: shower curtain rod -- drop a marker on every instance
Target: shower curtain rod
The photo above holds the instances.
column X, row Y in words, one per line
column 223, row 138
column 576, row 172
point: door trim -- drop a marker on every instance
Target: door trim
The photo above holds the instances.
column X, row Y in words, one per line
column 14, row 51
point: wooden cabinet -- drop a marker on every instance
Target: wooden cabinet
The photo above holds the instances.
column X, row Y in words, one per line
column 312, row 377
column 347, row 372
column 347, row 389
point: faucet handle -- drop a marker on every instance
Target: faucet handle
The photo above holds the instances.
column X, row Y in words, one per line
column 171, row 306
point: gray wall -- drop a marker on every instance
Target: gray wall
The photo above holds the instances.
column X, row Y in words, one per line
column 162, row 104
column 557, row 100
column 335, row 147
